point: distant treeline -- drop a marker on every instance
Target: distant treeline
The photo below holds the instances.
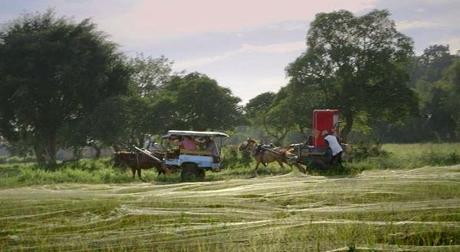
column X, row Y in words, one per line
column 435, row 79
column 65, row 85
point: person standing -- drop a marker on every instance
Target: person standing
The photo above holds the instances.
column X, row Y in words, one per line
column 335, row 150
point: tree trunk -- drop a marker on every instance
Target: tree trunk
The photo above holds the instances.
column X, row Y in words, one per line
column 45, row 151
column 98, row 151
column 77, row 153
column 348, row 126
column 279, row 136
column 38, row 150
column 51, row 151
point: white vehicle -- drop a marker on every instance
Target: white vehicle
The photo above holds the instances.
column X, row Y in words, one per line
column 193, row 152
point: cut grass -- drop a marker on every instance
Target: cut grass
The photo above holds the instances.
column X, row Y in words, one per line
column 413, row 210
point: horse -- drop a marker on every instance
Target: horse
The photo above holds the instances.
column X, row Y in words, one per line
column 264, row 154
column 137, row 161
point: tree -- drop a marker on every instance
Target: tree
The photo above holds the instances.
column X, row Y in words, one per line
column 358, row 65
column 200, row 103
column 434, row 60
column 53, row 73
column 429, row 81
column 259, row 105
column 149, row 74
column 121, row 122
column 445, row 119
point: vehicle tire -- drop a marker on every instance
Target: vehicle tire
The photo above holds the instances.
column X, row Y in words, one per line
column 200, row 174
column 191, row 172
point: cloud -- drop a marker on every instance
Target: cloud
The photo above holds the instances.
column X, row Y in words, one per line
column 453, row 42
column 417, row 24
column 280, row 48
column 160, row 18
column 148, row 21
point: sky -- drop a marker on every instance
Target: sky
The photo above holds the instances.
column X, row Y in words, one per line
column 244, row 45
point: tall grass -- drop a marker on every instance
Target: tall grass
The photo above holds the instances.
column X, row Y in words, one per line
column 235, row 165
column 409, row 156
column 84, row 171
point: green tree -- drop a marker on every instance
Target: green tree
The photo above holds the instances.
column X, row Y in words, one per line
column 435, row 90
column 358, row 65
column 148, row 109
column 121, row 122
column 200, row 103
column 258, row 106
column 53, row 73
column 431, row 64
column 445, row 118
column 278, row 120
column 149, row 74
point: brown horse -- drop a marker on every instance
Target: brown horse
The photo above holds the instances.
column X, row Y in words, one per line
column 137, row 161
column 266, row 154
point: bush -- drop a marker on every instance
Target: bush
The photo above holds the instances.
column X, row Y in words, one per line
column 233, row 158
column 364, row 150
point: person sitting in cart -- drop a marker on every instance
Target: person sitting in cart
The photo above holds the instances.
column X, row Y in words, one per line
column 211, row 147
column 188, row 143
column 334, row 150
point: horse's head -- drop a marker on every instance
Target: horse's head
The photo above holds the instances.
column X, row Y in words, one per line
column 116, row 160
column 249, row 144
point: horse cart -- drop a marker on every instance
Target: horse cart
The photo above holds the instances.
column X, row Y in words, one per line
column 314, row 153
column 190, row 152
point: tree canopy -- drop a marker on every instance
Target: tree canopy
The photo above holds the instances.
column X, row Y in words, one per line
column 358, row 65
column 149, row 74
column 54, row 72
column 201, row 104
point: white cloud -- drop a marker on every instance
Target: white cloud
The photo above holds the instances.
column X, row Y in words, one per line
column 453, row 42
column 280, row 48
column 250, row 88
column 153, row 19
column 416, row 24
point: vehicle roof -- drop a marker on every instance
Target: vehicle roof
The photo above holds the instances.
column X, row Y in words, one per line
column 194, row 133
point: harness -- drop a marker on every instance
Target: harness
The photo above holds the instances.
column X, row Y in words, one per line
column 261, row 148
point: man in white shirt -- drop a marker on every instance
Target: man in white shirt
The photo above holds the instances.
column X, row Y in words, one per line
column 334, row 147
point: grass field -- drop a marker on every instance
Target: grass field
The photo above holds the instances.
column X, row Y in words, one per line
column 409, row 209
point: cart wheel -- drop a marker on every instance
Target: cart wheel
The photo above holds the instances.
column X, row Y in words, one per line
column 200, row 173
column 191, row 172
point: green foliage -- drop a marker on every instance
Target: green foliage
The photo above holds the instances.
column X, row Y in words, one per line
column 234, row 159
column 84, row 171
column 149, row 74
column 256, row 108
column 409, row 156
column 364, row 150
column 53, row 73
column 125, row 121
column 122, row 121
column 358, row 65
column 433, row 80
column 281, row 113
column 15, row 172
column 199, row 103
